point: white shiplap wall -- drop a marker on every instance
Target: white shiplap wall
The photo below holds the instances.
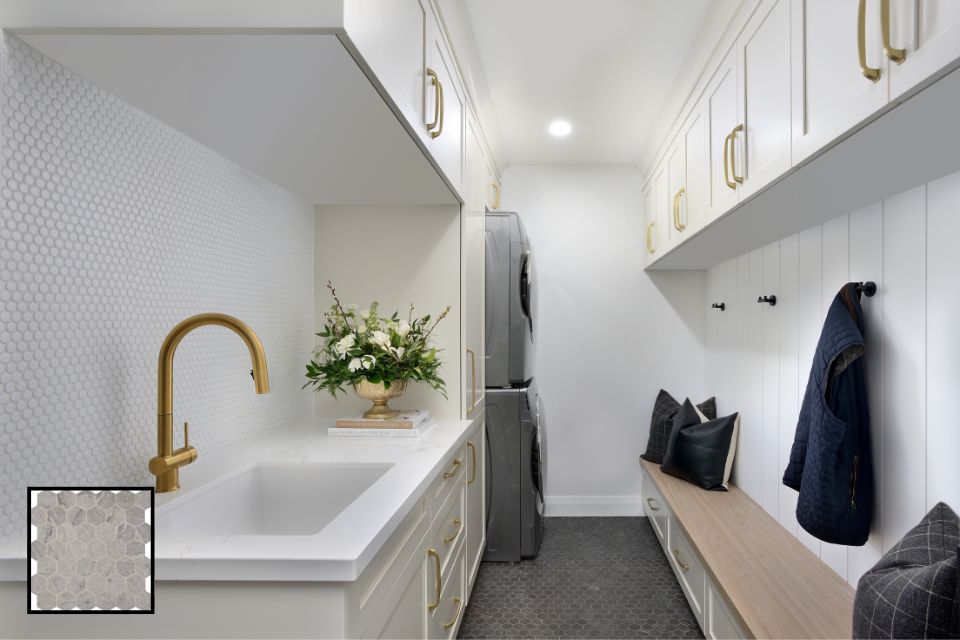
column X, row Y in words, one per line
column 758, row 356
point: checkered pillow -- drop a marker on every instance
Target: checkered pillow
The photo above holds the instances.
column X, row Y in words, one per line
column 661, row 424
column 912, row 591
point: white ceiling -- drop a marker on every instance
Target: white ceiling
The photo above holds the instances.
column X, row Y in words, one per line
column 604, row 65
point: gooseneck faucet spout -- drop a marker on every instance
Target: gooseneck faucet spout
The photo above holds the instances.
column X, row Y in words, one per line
column 166, row 464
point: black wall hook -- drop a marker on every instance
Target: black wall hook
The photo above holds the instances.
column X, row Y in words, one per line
column 771, row 300
column 719, row 305
column 868, row 288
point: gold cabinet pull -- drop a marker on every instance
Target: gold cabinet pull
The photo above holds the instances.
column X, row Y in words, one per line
column 677, row 201
column 456, row 616
column 651, row 248
column 676, row 552
column 435, row 81
column 896, row 55
column 650, row 504
column 431, row 552
column 733, row 154
column 458, row 527
column 870, row 73
column 496, row 189
column 436, row 134
column 473, row 378
column 473, row 467
column 457, row 462
column 726, row 161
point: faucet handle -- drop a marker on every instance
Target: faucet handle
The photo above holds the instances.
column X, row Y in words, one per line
column 186, row 434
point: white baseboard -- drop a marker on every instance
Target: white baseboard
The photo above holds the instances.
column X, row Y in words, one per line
column 586, row 506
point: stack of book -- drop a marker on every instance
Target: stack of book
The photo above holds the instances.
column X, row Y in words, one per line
column 409, row 424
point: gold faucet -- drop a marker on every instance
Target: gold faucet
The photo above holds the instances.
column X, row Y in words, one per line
column 166, row 464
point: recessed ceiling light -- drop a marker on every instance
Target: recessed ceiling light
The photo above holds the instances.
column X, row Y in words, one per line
column 560, row 128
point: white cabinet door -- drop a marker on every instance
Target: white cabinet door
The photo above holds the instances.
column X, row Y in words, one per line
column 831, row 94
column 661, row 205
column 928, row 32
column 692, row 203
column 762, row 149
column 389, row 34
column 443, row 106
column 409, row 616
column 676, row 162
column 649, row 224
column 473, row 217
column 476, row 501
column 722, row 111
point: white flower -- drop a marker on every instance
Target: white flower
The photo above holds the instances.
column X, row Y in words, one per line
column 403, row 329
column 345, row 344
column 351, row 307
column 364, row 314
column 355, row 364
column 398, row 351
column 380, row 338
column 368, row 361
column 362, row 327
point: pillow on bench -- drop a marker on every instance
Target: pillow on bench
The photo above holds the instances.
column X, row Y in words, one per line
column 701, row 451
column 913, row 590
column 664, row 410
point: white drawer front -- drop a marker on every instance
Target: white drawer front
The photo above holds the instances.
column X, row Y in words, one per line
column 689, row 570
column 655, row 508
column 719, row 622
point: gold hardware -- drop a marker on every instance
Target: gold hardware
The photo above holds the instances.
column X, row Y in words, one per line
column 473, row 377
column 650, row 246
column 459, row 603
column 496, row 202
column 456, row 467
column 458, row 523
column 733, row 153
column 436, row 603
column 870, row 73
column 438, row 106
column 897, row 55
column 166, row 464
column 473, row 453
column 650, row 504
column 435, row 81
column 677, row 197
column 676, row 552
column 726, row 161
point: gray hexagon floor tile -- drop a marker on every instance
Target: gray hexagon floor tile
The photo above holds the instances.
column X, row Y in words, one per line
column 90, row 550
column 594, row 578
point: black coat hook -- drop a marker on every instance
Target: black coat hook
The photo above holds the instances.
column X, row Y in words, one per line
column 868, row 288
column 719, row 305
column 771, row 300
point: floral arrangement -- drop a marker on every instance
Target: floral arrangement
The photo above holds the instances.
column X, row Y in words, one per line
column 361, row 345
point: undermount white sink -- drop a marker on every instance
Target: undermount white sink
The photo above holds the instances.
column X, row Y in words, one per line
column 271, row 499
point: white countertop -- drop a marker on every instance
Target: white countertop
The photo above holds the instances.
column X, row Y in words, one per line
column 339, row 552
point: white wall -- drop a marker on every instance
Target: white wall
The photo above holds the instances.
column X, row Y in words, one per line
column 394, row 255
column 608, row 336
column 758, row 357
column 113, row 228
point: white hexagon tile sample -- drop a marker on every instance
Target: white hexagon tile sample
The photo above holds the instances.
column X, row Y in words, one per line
column 91, row 550
column 113, row 228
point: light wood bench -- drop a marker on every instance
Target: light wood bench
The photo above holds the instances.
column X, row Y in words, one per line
column 743, row 574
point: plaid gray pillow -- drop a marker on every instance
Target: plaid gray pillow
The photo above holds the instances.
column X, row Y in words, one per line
column 912, row 591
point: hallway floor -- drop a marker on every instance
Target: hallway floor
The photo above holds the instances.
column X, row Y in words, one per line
column 594, row 578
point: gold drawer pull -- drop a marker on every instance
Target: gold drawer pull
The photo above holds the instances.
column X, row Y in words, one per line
column 459, row 603
column 896, row 55
column 435, row 81
column 650, row 504
column 870, row 73
column 726, row 161
column 496, row 201
column 651, row 248
column 733, row 154
column 473, row 467
column 458, row 523
column 676, row 552
column 436, row 589
column 456, row 467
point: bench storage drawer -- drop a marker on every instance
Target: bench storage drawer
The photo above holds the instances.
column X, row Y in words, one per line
column 719, row 623
column 656, row 509
column 688, row 567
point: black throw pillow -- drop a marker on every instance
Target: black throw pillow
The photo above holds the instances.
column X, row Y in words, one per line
column 661, row 424
column 697, row 451
column 912, row 591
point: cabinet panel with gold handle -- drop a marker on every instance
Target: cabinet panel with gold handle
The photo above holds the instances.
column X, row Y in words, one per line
column 432, row 553
column 650, row 503
column 473, row 463
column 651, row 246
column 496, row 198
column 439, row 96
column 437, row 100
column 457, row 528
column 458, row 603
column 683, row 566
column 457, row 463
column 894, row 54
column 677, row 210
column 727, row 144
column 733, row 154
column 870, row 73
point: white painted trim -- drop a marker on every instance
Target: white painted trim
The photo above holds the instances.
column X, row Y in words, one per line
column 593, row 506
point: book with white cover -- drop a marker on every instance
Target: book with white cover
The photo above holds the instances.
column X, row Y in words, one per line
column 408, row 419
column 368, row 432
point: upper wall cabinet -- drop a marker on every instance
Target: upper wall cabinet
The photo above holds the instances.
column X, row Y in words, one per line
column 924, row 36
column 840, row 75
column 444, row 106
column 720, row 100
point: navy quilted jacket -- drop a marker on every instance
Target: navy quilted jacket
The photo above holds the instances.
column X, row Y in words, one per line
column 830, row 463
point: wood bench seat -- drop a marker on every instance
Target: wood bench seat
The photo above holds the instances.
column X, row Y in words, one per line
column 773, row 585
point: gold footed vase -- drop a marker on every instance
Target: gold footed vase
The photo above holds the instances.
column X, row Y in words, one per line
column 379, row 395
